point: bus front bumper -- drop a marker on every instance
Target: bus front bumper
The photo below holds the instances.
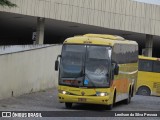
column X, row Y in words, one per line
column 103, row 100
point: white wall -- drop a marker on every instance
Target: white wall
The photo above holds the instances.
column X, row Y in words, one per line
column 28, row 71
column 16, row 48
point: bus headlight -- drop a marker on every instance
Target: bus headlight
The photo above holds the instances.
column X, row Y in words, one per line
column 101, row 93
column 64, row 92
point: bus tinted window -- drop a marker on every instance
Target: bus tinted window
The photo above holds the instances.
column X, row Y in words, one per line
column 123, row 54
column 156, row 66
column 145, row 65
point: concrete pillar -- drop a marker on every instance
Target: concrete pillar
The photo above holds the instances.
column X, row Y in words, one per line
column 40, row 30
column 148, row 45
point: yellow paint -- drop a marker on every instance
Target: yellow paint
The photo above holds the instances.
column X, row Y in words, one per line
column 122, row 82
column 97, row 39
column 90, row 95
column 147, row 58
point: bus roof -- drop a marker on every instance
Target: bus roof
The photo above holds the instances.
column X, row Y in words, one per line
column 99, row 39
column 147, row 58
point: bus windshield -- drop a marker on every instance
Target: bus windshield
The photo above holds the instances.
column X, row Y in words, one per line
column 85, row 63
column 97, row 66
column 72, row 61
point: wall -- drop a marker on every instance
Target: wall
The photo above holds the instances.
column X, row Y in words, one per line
column 28, row 71
column 17, row 48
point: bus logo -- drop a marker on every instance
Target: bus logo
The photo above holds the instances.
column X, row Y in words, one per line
column 83, row 93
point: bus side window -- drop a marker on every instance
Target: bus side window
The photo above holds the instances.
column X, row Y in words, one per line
column 156, row 66
column 145, row 65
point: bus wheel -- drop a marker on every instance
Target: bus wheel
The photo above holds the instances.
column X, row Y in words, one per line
column 109, row 107
column 128, row 100
column 68, row 105
column 144, row 91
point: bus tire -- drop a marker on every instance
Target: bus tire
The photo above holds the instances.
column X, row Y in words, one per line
column 132, row 92
column 128, row 100
column 144, row 90
column 68, row 105
column 109, row 107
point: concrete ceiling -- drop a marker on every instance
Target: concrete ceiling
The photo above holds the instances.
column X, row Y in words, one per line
column 23, row 26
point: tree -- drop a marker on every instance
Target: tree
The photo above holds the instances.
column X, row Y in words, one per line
column 7, row 3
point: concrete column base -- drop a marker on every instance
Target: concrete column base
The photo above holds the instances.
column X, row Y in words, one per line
column 40, row 31
column 148, row 45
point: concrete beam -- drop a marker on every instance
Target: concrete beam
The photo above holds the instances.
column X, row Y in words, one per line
column 148, row 45
column 126, row 15
column 40, row 30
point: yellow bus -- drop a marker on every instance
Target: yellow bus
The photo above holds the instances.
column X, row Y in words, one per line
column 97, row 69
column 148, row 82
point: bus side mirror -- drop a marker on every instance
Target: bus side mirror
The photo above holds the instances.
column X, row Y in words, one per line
column 116, row 69
column 57, row 63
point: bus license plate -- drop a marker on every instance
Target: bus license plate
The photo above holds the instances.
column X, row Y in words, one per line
column 81, row 99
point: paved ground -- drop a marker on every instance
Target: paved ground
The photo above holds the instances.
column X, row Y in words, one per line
column 47, row 101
